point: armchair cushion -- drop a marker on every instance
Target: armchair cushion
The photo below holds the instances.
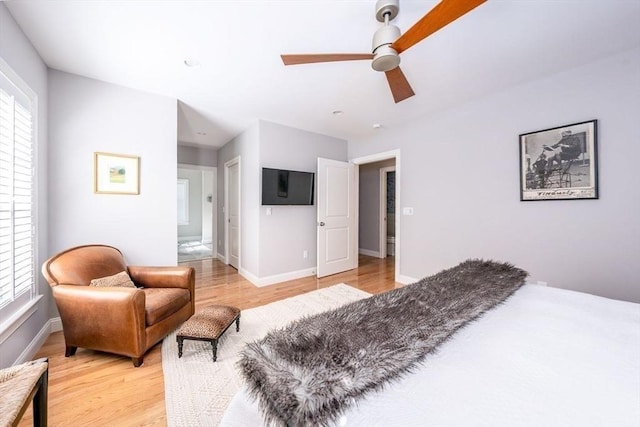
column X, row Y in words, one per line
column 121, row 280
column 163, row 302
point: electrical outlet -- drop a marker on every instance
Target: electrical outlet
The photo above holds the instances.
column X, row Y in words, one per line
column 407, row 211
column 305, row 254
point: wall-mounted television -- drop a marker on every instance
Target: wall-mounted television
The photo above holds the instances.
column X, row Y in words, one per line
column 286, row 187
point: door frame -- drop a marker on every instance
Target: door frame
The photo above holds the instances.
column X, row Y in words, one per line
column 214, row 202
column 227, row 166
column 373, row 158
column 383, row 210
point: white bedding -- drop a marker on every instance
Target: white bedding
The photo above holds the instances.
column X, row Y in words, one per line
column 547, row 357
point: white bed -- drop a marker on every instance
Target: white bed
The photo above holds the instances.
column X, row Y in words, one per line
column 546, row 357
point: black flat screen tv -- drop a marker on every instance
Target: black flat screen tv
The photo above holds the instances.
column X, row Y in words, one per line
column 286, row 187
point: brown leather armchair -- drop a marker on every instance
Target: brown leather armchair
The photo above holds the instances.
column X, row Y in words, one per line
column 120, row 320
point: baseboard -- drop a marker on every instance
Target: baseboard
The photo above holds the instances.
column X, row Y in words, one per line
column 56, row 324
column 52, row 325
column 221, row 258
column 369, row 252
column 405, row 280
column 276, row 278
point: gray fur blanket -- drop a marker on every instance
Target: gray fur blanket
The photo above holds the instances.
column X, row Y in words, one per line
column 309, row 372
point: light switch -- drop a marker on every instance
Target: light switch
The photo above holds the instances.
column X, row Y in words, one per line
column 407, row 211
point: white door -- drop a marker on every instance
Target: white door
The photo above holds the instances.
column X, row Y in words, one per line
column 337, row 249
column 232, row 169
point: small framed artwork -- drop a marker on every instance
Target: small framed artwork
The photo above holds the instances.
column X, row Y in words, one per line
column 116, row 174
column 560, row 163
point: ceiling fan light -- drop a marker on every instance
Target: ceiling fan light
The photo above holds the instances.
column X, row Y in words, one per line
column 385, row 59
column 384, row 35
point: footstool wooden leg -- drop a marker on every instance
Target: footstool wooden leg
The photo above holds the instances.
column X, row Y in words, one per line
column 40, row 401
column 214, row 347
column 238, row 324
column 180, row 342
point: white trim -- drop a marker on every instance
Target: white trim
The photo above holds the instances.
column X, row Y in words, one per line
column 227, row 165
column 38, row 341
column 18, row 82
column 368, row 252
column 56, row 324
column 372, row 158
column 221, row 258
column 30, row 351
column 376, row 158
column 405, row 280
column 9, row 326
column 276, row 278
column 22, row 86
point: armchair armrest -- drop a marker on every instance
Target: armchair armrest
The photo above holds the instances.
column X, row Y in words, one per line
column 102, row 318
column 164, row 277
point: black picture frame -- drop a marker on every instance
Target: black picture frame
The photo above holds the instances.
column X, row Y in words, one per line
column 560, row 163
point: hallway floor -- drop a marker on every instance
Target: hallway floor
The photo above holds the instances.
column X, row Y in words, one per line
column 194, row 250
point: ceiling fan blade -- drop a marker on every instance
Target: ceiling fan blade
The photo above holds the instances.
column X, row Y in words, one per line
column 323, row 57
column 441, row 15
column 400, row 88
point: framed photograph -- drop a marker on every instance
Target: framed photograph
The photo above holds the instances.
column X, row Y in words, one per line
column 116, row 174
column 560, row 163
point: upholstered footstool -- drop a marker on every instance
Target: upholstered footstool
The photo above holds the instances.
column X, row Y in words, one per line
column 208, row 324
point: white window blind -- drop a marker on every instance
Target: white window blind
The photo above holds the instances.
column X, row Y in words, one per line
column 17, row 236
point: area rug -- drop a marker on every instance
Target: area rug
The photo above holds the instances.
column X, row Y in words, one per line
column 197, row 390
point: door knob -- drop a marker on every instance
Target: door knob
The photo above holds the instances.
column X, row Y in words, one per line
column 321, row 224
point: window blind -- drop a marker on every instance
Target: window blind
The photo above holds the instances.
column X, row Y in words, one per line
column 17, row 238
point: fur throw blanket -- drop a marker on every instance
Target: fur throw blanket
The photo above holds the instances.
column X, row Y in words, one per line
column 309, row 372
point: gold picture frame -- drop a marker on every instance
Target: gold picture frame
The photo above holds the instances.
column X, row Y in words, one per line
column 116, row 173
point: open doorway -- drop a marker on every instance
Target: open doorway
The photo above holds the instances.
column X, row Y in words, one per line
column 196, row 212
column 387, row 217
column 378, row 204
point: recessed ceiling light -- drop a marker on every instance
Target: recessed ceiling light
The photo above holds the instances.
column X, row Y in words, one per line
column 191, row 63
column 337, row 112
column 201, row 133
column 377, row 125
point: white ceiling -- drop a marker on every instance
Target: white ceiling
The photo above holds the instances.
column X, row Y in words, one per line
column 143, row 44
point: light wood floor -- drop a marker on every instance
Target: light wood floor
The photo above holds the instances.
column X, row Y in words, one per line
column 100, row 389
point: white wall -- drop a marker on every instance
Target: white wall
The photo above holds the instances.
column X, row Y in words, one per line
column 460, row 174
column 245, row 146
column 200, row 156
column 272, row 246
column 290, row 230
column 86, row 116
column 19, row 54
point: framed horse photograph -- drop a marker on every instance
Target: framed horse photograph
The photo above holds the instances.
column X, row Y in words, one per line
column 559, row 163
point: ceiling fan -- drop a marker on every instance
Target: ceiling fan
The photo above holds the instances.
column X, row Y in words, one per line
column 388, row 43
